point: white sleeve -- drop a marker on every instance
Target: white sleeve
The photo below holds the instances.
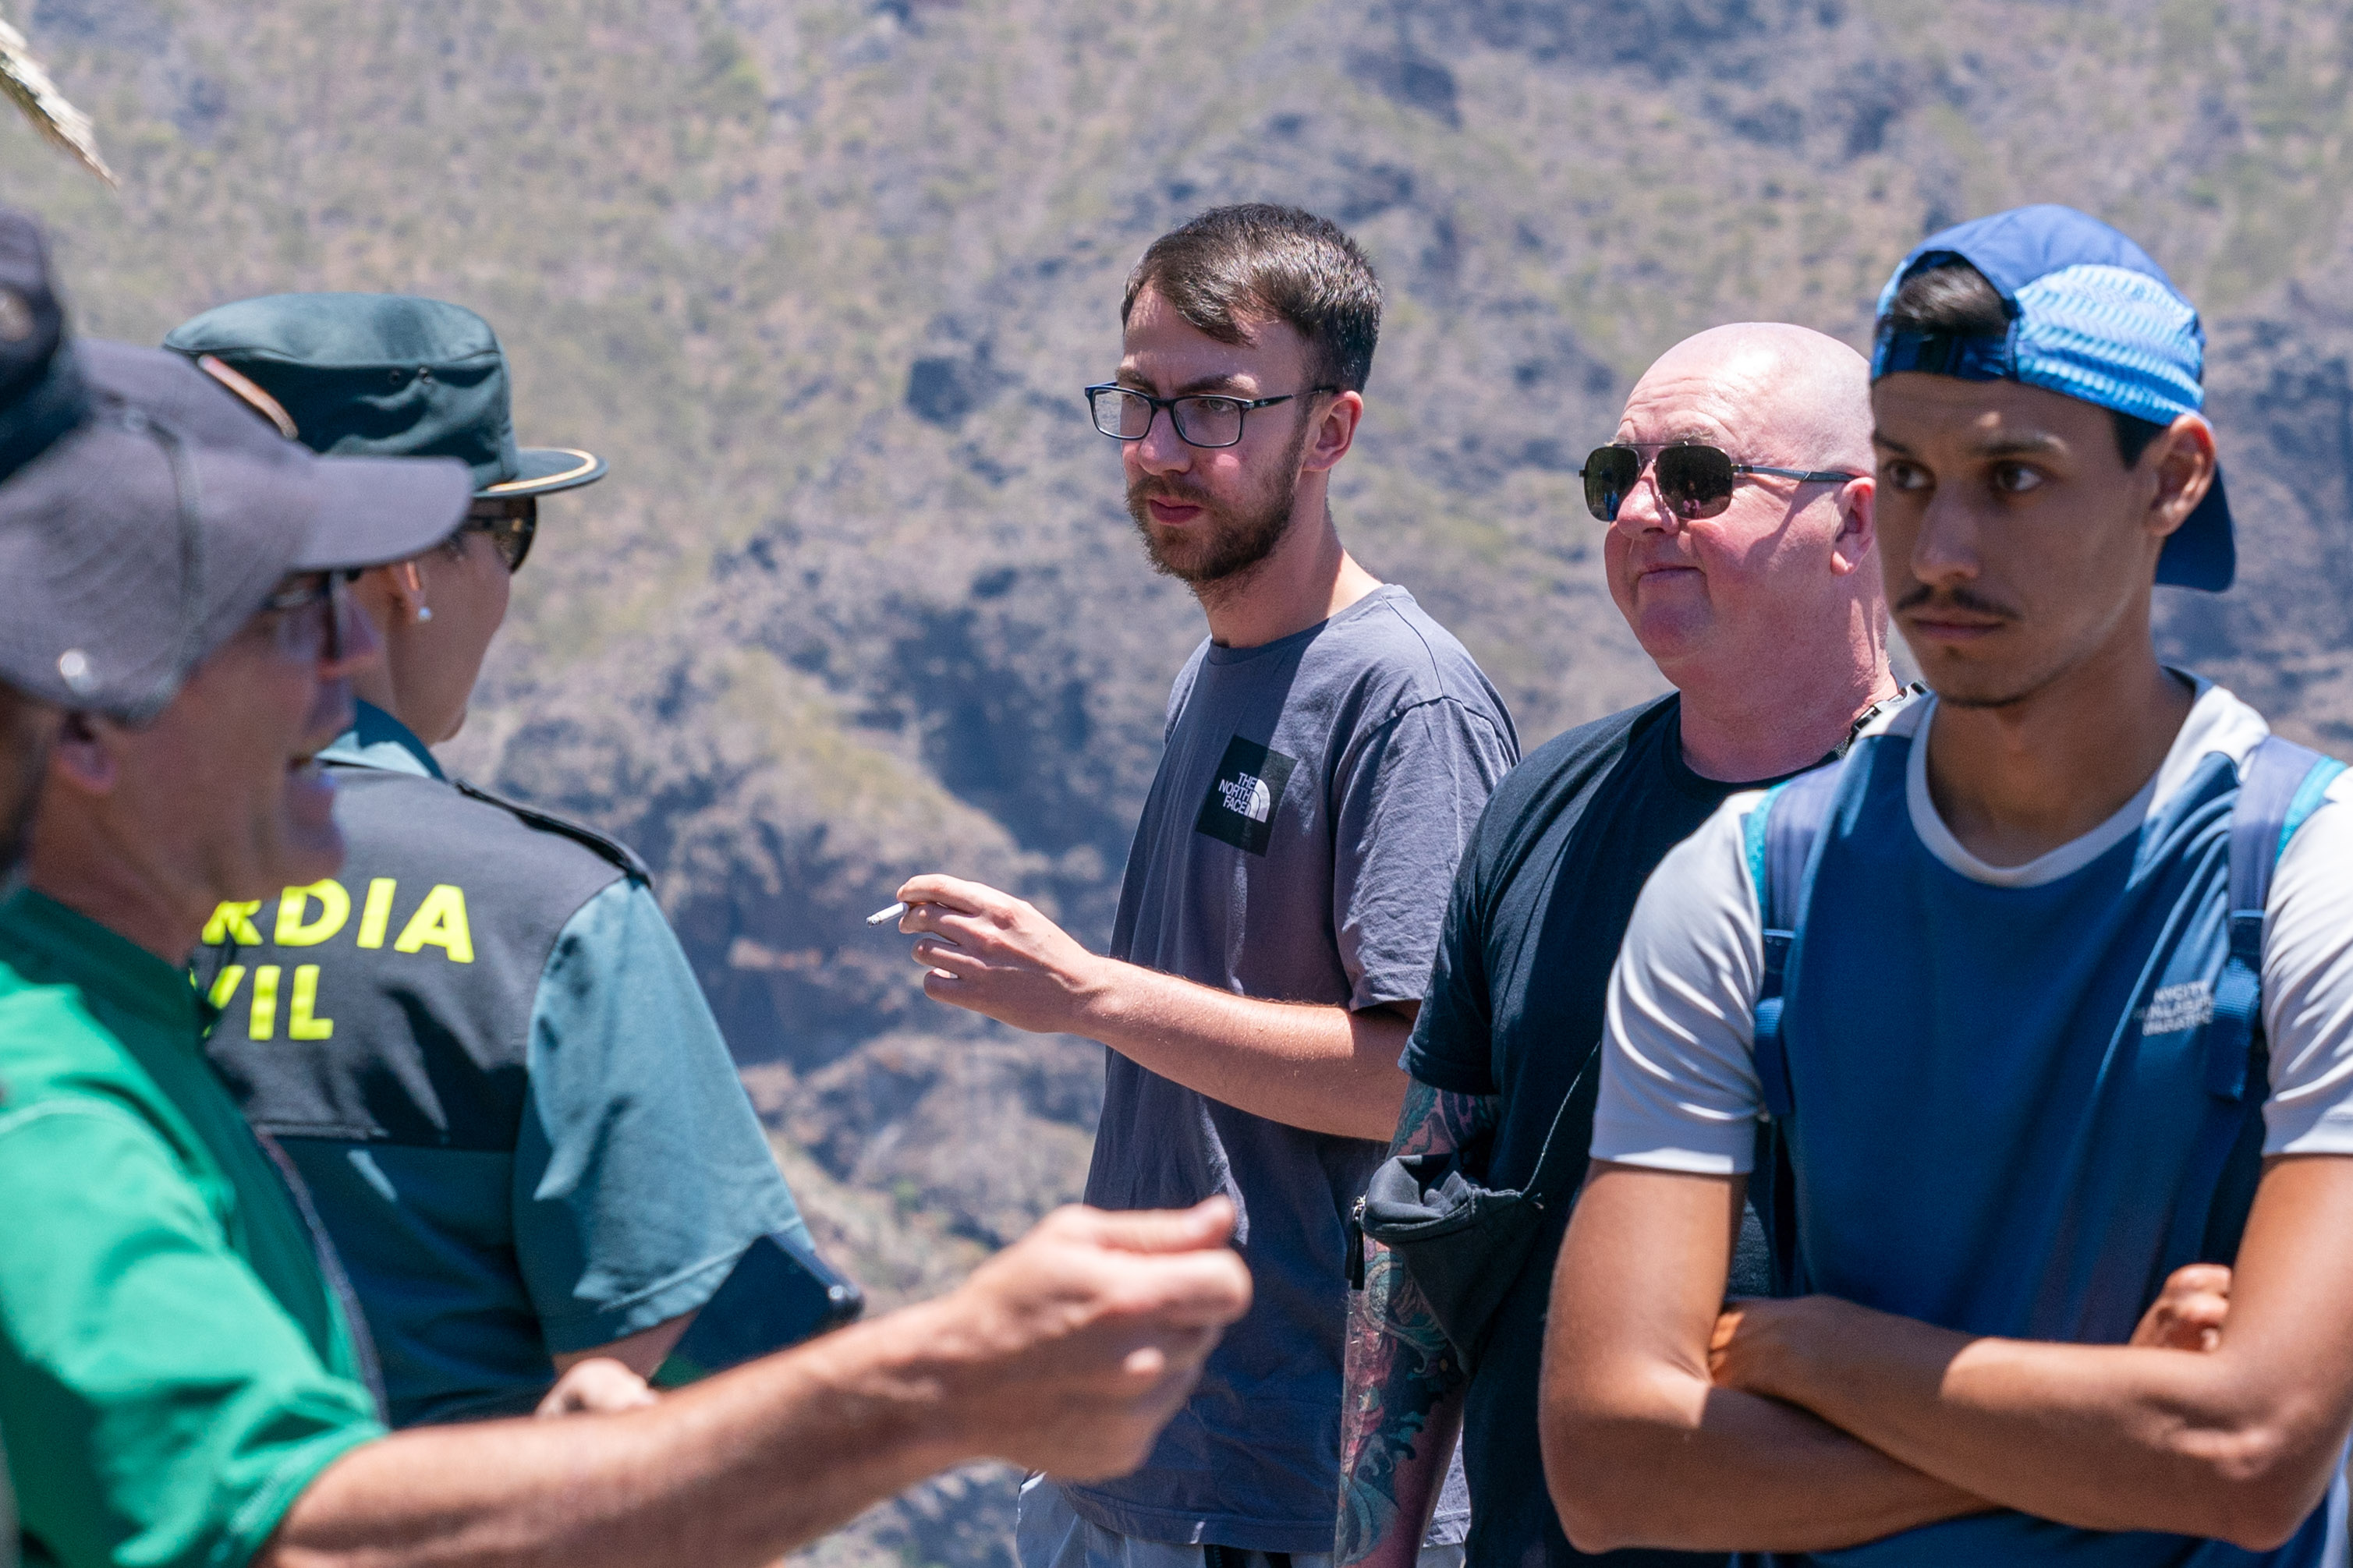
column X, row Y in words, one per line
column 1679, row 1087
column 2308, row 984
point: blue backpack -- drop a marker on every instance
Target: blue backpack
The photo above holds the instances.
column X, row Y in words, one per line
column 2280, row 784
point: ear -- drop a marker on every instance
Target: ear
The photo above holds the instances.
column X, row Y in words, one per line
column 2185, row 462
column 1858, row 531
column 400, row 587
column 1335, row 433
column 82, row 760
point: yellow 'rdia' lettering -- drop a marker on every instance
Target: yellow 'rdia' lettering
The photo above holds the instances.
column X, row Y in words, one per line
column 441, row 920
column 265, row 1003
column 300, row 1024
column 225, row 987
column 233, row 923
column 376, row 914
column 334, row 909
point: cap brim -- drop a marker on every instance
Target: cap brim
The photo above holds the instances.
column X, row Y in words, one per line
column 542, row 469
column 2201, row 553
column 375, row 510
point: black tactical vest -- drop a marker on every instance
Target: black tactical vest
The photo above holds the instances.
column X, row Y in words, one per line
column 393, row 1004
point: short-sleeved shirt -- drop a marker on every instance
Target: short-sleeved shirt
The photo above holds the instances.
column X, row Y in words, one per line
column 1514, row 1011
column 1997, row 1074
column 1679, row 1087
column 174, row 1366
column 483, row 1048
column 1297, row 844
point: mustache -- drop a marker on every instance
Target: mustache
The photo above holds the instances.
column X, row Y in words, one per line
column 1961, row 599
column 1152, row 489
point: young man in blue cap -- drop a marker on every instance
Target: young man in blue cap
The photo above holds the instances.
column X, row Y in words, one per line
column 480, row 1043
column 176, row 1360
column 2043, row 993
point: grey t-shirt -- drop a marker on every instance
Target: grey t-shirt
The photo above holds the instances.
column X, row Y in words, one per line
column 1298, row 845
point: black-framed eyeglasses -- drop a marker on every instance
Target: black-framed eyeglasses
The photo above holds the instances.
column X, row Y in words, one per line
column 511, row 521
column 1695, row 478
column 1204, row 419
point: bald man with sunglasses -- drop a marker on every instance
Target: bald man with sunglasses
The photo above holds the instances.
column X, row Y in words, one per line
column 480, row 1043
column 1736, row 501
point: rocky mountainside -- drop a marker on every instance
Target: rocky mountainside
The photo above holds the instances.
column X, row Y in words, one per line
column 823, row 279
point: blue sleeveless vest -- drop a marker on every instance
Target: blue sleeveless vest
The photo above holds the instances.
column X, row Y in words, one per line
column 2013, row 1110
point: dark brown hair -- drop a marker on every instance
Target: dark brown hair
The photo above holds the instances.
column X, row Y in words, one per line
column 1235, row 265
column 1955, row 296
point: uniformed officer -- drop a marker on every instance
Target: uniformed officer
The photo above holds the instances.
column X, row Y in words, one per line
column 480, row 1043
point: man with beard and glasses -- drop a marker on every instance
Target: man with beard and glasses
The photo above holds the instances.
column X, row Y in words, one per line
column 2043, row 993
column 1329, row 748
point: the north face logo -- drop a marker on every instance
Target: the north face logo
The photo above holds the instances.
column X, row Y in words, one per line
column 1239, row 807
column 2173, row 1008
column 1248, row 795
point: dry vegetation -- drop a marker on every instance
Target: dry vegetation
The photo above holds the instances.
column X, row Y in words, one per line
column 822, row 280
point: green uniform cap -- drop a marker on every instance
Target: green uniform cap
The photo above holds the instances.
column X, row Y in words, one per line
column 385, row 376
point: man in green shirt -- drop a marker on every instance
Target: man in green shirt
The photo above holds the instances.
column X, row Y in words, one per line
column 178, row 1375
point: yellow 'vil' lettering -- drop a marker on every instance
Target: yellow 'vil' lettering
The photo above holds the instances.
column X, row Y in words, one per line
column 233, row 923
column 441, row 920
column 376, row 914
column 300, row 1024
column 334, row 909
column 225, row 987
column 265, row 1003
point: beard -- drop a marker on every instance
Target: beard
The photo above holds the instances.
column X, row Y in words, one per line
column 1229, row 539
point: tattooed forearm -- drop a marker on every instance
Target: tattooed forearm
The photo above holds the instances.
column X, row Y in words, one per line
column 1403, row 1381
column 1433, row 1121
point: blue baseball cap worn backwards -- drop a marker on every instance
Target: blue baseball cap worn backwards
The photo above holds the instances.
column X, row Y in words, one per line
column 2092, row 318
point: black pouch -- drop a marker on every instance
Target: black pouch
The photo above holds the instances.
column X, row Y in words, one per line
column 1462, row 1242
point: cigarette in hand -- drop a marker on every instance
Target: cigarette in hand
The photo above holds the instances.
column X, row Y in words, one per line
column 881, row 916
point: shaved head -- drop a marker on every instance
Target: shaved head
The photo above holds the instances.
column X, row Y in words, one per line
column 1807, row 392
column 1772, row 607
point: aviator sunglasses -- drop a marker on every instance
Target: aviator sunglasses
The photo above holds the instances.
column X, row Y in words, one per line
column 1695, row 478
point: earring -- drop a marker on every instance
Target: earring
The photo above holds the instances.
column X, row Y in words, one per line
column 424, row 614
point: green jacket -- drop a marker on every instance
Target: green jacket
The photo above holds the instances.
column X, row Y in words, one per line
column 174, row 1367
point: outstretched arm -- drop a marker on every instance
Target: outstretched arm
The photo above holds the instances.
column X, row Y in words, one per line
column 2237, row 1444
column 1402, row 1403
column 1068, row 1352
column 1640, row 1447
column 1325, row 1068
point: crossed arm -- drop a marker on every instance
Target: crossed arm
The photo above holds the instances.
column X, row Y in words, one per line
column 1401, row 1405
column 1815, row 1423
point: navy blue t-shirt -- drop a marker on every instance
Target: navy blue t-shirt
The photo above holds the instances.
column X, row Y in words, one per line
column 1315, row 795
column 1515, row 1010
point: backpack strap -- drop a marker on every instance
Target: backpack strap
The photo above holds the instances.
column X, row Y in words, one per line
column 2280, row 785
column 1780, row 835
